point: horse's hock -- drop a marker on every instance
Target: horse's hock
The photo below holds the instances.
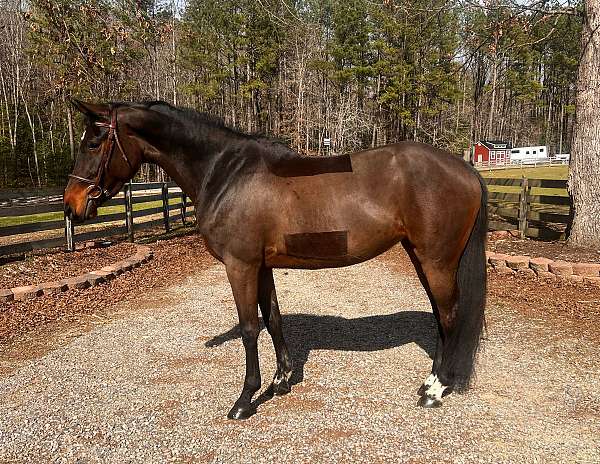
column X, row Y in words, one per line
column 142, row 255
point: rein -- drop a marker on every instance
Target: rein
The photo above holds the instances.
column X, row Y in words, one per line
column 107, row 152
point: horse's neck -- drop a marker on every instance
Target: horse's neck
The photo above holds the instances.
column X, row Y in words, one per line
column 189, row 160
column 206, row 155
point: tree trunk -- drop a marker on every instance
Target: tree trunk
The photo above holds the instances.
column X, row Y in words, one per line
column 418, row 119
column 34, row 141
column 71, row 135
column 174, row 52
column 561, row 125
column 584, row 175
column 493, row 100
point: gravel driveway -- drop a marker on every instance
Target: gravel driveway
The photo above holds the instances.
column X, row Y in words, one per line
column 155, row 381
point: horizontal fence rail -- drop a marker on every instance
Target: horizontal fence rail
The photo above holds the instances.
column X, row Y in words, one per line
column 528, row 163
column 537, row 208
column 133, row 208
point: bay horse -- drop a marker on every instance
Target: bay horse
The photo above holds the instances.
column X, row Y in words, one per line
column 260, row 206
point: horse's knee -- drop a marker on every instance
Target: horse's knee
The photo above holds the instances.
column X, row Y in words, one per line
column 249, row 333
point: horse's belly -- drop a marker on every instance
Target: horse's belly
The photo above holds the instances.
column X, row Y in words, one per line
column 317, row 250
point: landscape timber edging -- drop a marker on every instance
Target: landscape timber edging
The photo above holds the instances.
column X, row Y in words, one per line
column 142, row 255
column 544, row 268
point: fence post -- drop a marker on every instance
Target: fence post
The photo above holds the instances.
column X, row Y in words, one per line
column 69, row 234
column 165, row 202
column 523, row 206
column 128, row 210
column 183, row 207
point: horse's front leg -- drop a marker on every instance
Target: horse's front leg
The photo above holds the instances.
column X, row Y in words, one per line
column 244, row 284
column 267, row 300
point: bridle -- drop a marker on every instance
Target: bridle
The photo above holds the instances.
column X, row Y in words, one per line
column 95, row 189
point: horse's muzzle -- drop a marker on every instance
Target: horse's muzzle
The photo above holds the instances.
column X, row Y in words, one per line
column 78, row 204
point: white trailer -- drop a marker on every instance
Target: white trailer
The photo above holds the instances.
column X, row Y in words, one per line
column 527, row 155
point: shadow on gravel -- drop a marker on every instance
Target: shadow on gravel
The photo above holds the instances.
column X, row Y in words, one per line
column 307, row 332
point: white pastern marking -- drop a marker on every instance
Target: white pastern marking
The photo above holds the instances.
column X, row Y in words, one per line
column 281, row 377
column 436, row 389
column 429, row 380
column 83, row 136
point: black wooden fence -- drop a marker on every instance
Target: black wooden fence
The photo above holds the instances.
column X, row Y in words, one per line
column 132, row 200
column 537, row 208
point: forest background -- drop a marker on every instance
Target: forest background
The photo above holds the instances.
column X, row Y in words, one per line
column 359, row 72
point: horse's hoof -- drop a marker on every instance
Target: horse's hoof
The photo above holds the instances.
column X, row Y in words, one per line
column 429, row 402
column 281, row 388
column 422, row 389
column 241, row 412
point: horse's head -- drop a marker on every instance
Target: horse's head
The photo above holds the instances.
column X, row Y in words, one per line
column 108, row 157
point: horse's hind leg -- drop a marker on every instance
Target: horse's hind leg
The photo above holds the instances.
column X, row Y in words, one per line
column 442, row 288
column 455, row 273
column 458, row 292
column 267, row 299
column 439, row 347
column 244, row 284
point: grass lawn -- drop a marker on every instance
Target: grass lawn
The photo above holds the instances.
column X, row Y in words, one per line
column 58, row 216
column 542, row 172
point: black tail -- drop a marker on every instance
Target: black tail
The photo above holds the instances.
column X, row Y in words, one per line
column 471, row 280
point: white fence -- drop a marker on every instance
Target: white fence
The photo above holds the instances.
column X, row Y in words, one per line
column 530, row 163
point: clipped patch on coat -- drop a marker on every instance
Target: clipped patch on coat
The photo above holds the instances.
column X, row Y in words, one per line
column 311, row 166
column 317, row 244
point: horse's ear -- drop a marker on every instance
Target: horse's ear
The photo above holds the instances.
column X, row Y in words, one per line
column 92, row 110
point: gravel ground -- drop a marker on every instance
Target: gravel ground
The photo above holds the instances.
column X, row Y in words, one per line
column 153, row 382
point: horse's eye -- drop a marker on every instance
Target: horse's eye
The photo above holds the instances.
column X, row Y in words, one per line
column 93, row 145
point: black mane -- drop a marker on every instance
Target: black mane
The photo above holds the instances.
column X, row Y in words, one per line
column 194, row 120
column 190, row 115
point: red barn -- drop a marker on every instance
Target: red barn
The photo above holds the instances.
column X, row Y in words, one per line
column 492, row 152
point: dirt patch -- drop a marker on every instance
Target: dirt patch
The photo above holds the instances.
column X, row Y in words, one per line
column 557, row 301
column 551, row 250
column 295, row 403
column 335, row 434
column 169, row 412
column 574, row 308
column 58, row 265
column 186, row 362
column 174, row 259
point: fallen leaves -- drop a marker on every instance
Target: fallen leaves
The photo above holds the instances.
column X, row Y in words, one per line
column 174, row 259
